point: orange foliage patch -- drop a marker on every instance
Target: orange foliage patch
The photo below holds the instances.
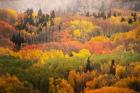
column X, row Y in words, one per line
column 66, row 47
column 110, row 90
column 100, row 47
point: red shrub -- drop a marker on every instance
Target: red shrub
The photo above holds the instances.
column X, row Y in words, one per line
column 5, row 42
column 100, row 47
column 6, row 30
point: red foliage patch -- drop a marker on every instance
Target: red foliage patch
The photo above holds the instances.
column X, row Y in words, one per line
column 67, row 47
column 5, row 42
column 100, row 47
column 6, row 30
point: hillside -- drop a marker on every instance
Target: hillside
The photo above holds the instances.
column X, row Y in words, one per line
column 70, row 51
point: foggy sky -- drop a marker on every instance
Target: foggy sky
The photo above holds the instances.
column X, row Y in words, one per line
column 45, row 5
column 63, row 5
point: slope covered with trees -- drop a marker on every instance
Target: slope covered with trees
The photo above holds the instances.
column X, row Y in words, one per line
column 72, row 53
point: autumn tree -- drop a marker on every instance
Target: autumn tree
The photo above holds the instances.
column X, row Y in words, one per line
column 110, row 90
column 12, row 84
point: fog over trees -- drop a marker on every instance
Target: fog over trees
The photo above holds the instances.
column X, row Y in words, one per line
column 68, row 5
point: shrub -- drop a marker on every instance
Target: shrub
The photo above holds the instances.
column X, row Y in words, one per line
column 11, row 84
column 120, row 71
column 60, row 86
column 110, row 90
column 130, row 82
column 105, row 68
column 82, row 29
column 5, row 42
column 78, row 80
column 6, row 30
column 100, row 39
column 8, row 15
column 131, row 35
column 100, row 47
column 101, row 81
column 136, row 70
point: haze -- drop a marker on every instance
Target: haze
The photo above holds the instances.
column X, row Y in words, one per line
column 58, row 5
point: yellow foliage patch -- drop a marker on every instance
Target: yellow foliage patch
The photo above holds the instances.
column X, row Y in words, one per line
column 100, row 39
column 81, row 27
column 131, row 35
column 115, row 20
column 82, row 53
column 33, row 54
column 120, row 71
column 58, row 20
column 77, row 33
column 12, row 12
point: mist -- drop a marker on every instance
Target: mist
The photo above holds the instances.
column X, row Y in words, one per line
column 45, row 5
column 64, row 5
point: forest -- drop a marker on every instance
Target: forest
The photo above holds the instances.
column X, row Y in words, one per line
column 85, row 46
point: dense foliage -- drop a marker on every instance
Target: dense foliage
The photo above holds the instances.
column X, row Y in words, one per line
column 47, row 53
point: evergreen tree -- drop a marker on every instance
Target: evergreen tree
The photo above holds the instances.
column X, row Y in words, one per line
column 87, row 14
column 52, row 14
column 112, row 68
column 40, row 12
column 17, row 39
column 130, row 21
column 122, row 19
column 88, row 65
